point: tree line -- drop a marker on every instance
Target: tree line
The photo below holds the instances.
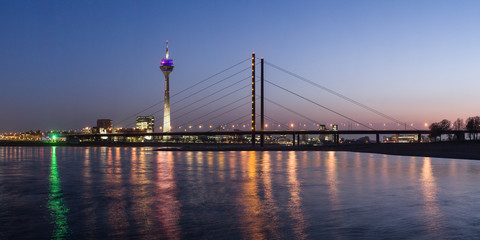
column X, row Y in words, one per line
column 472, row 126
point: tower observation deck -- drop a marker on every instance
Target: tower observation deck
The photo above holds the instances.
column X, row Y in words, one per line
column 167, row 67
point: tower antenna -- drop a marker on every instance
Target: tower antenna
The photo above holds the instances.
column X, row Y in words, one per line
column 166, row 55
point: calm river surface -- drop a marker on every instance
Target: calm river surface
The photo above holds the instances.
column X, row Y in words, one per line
column 137, row 193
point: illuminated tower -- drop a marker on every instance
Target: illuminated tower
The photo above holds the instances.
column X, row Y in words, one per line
column 166, row 66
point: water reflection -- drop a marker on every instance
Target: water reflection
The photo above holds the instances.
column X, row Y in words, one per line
column 332, row 180
column 167, row 206
column 141, row 197
column 269, row 197
column 429, row 190
column 56, row 205
column 116, row 210
column 252, row 217
column 295, row 203
column 221, row 163
column 267, row 178
column 135, row 193
column 87, row 192
column 269, row 204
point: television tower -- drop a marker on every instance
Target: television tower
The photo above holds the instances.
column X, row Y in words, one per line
column 166, row 66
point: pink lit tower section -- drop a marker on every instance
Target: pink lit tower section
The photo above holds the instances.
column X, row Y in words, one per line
column 167, row 67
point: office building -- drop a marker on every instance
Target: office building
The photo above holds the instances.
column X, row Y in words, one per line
column 145, row 123
column 104, row 125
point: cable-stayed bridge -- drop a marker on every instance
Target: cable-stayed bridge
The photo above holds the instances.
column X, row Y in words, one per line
column 233, row 103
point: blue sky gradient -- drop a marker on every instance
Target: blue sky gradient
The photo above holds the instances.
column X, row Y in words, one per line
column 65, row 64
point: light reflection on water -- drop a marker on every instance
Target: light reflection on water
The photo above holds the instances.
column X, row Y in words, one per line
column 137, row 193
column 167, row 208
column 56, row 205
column 116, row 210
column 295, row 202
column 252, row 218
column 429, row 190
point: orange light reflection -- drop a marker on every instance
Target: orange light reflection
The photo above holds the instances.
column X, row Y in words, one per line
column 167, row 206
column 429, row 190
column 295, row 201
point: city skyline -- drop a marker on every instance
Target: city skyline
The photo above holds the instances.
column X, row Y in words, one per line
column 65, row 65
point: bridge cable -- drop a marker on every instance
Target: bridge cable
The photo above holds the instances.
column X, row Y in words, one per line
column 292, row 111
column 273, row 120
column 203, row 89
column 208, row 97
column 337, row 94
column 206, row 79
column 224, row 113
column 298, row 95
column 215, row 100
column 214, row 75
column 218, row 109
column 213, row 94
column 209, row 87
column 245, row 116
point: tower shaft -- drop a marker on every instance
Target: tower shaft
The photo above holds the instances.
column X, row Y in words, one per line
column 166, row 107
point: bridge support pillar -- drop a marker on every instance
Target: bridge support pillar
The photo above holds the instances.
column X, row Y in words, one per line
column 262, row 109
column 419, row 138
column 377, row 137
column 293, row 140
column 253, row 99
column 336, row 138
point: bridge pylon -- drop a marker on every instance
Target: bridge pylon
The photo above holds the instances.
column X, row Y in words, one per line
column 253, row 99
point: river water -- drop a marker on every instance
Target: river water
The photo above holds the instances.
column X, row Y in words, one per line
column 138, row 193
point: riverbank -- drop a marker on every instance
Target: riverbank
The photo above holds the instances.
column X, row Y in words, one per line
column 461, row 150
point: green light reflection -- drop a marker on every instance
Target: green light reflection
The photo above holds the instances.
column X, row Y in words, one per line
column 58, row 210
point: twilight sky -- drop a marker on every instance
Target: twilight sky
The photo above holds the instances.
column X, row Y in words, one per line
column 65, row 64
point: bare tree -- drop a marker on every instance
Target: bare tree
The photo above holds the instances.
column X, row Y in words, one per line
column 473, row 126
column 459, row 125
column 437, row 128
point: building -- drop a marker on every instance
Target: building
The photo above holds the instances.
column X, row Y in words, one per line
column 335, row 137
column 404, row 138
column 167, row 67
column 323, row 137
column 145, row 123
column 105, row 125
column 86, row 130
